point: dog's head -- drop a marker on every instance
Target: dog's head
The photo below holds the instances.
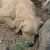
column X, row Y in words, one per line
column 30, row 29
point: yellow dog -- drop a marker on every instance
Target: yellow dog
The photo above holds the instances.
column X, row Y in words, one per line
column 26, row 20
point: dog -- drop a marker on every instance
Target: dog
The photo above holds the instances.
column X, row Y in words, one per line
column 25, row 17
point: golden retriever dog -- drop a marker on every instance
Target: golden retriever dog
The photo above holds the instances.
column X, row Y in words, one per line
column 25, row 17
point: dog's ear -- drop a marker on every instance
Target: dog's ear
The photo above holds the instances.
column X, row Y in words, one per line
column 37, row 24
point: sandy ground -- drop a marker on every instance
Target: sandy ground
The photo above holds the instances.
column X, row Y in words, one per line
column 7, row 37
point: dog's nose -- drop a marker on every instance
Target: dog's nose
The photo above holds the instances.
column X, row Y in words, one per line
column 30, row 44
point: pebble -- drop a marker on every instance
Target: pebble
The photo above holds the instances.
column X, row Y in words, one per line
column 0, row 41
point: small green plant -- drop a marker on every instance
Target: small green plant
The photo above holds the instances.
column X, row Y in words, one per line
column 3, row 22
column 21, row 44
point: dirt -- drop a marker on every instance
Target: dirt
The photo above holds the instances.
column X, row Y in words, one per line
column 7, row 37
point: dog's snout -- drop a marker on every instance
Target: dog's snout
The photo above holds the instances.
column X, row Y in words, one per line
column 30, row 43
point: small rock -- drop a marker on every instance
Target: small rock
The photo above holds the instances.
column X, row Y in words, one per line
column 35, row 49
column 0, row 41
column 7, row 48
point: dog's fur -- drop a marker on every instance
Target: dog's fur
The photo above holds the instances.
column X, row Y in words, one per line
column 26, row 19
